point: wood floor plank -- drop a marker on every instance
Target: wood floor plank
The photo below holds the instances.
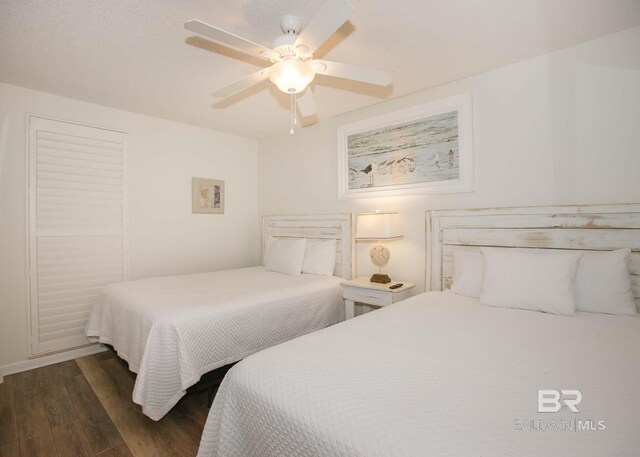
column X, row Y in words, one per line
column 138, row 431
column 25, row 391
column 118, row 451
column 85, row 408
column 190, row 414
column 35, row 434
column 148, row 438
column 176, row 438
column 71, row 440
column 68, row 370
column 54, row 396
column 10, row 449
column 121, row 377
column 145, row 438
column 47, row 377
column 8, row 424
column 106, row 355
column 97, row 425
column 106, row 389
column 177, row 428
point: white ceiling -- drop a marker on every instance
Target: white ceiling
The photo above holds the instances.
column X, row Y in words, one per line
column 136, row 55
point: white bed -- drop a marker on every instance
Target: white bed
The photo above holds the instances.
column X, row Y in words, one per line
column 441, row 375
column 172, row 330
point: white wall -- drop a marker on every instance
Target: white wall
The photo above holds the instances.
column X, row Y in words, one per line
column 558, row 129
column 165, row 238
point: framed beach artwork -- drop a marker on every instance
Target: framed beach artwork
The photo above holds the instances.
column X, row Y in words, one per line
column 424, row 149
column 207, row 196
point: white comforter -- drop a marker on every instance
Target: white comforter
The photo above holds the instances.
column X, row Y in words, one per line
column 172, row 330
column 436, row 375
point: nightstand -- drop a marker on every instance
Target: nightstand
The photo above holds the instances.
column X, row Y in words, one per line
column 362, row 290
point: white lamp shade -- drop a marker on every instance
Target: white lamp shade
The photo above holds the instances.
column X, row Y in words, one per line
column 378, row 226
column 291, row 76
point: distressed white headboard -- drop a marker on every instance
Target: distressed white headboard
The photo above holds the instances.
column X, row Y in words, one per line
column 596, row 228
column 323, row 227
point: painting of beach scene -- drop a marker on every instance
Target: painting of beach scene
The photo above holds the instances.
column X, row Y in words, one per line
column 420, row 151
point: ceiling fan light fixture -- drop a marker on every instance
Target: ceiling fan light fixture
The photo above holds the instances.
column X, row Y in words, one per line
column 291, row 76
column 291, row 56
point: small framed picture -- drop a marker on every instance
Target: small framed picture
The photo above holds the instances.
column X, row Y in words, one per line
column 208, row 196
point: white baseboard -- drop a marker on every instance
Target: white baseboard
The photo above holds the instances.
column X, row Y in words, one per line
column 30, row 364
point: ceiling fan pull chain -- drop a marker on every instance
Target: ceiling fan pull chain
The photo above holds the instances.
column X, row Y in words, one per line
column 293, row 116
column 293, row 107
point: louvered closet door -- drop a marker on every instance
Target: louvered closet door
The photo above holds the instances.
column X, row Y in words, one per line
column 76, row 222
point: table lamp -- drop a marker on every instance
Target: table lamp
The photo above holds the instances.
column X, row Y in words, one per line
column 378, row 227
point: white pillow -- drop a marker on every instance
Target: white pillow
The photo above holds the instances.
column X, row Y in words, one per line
column 467, row 273
column 537, row 280
column 320, row 257
column 603, row 284
column 285, row 255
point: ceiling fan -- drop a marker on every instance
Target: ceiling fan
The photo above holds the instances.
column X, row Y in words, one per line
column 291, row 56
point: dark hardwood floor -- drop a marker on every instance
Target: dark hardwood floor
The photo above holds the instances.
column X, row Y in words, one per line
column 83, row 408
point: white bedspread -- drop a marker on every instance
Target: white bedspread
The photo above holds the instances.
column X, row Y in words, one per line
column 172, row 330
column 436, row 375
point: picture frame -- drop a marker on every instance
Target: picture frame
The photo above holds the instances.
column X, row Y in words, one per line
column 207, row 196
column 423, row 149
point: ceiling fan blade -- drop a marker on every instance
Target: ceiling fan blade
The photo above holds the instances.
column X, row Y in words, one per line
column 331, row 15
column 242, row 84
column 228, row 39
column 307, row 103
column 354, row 72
